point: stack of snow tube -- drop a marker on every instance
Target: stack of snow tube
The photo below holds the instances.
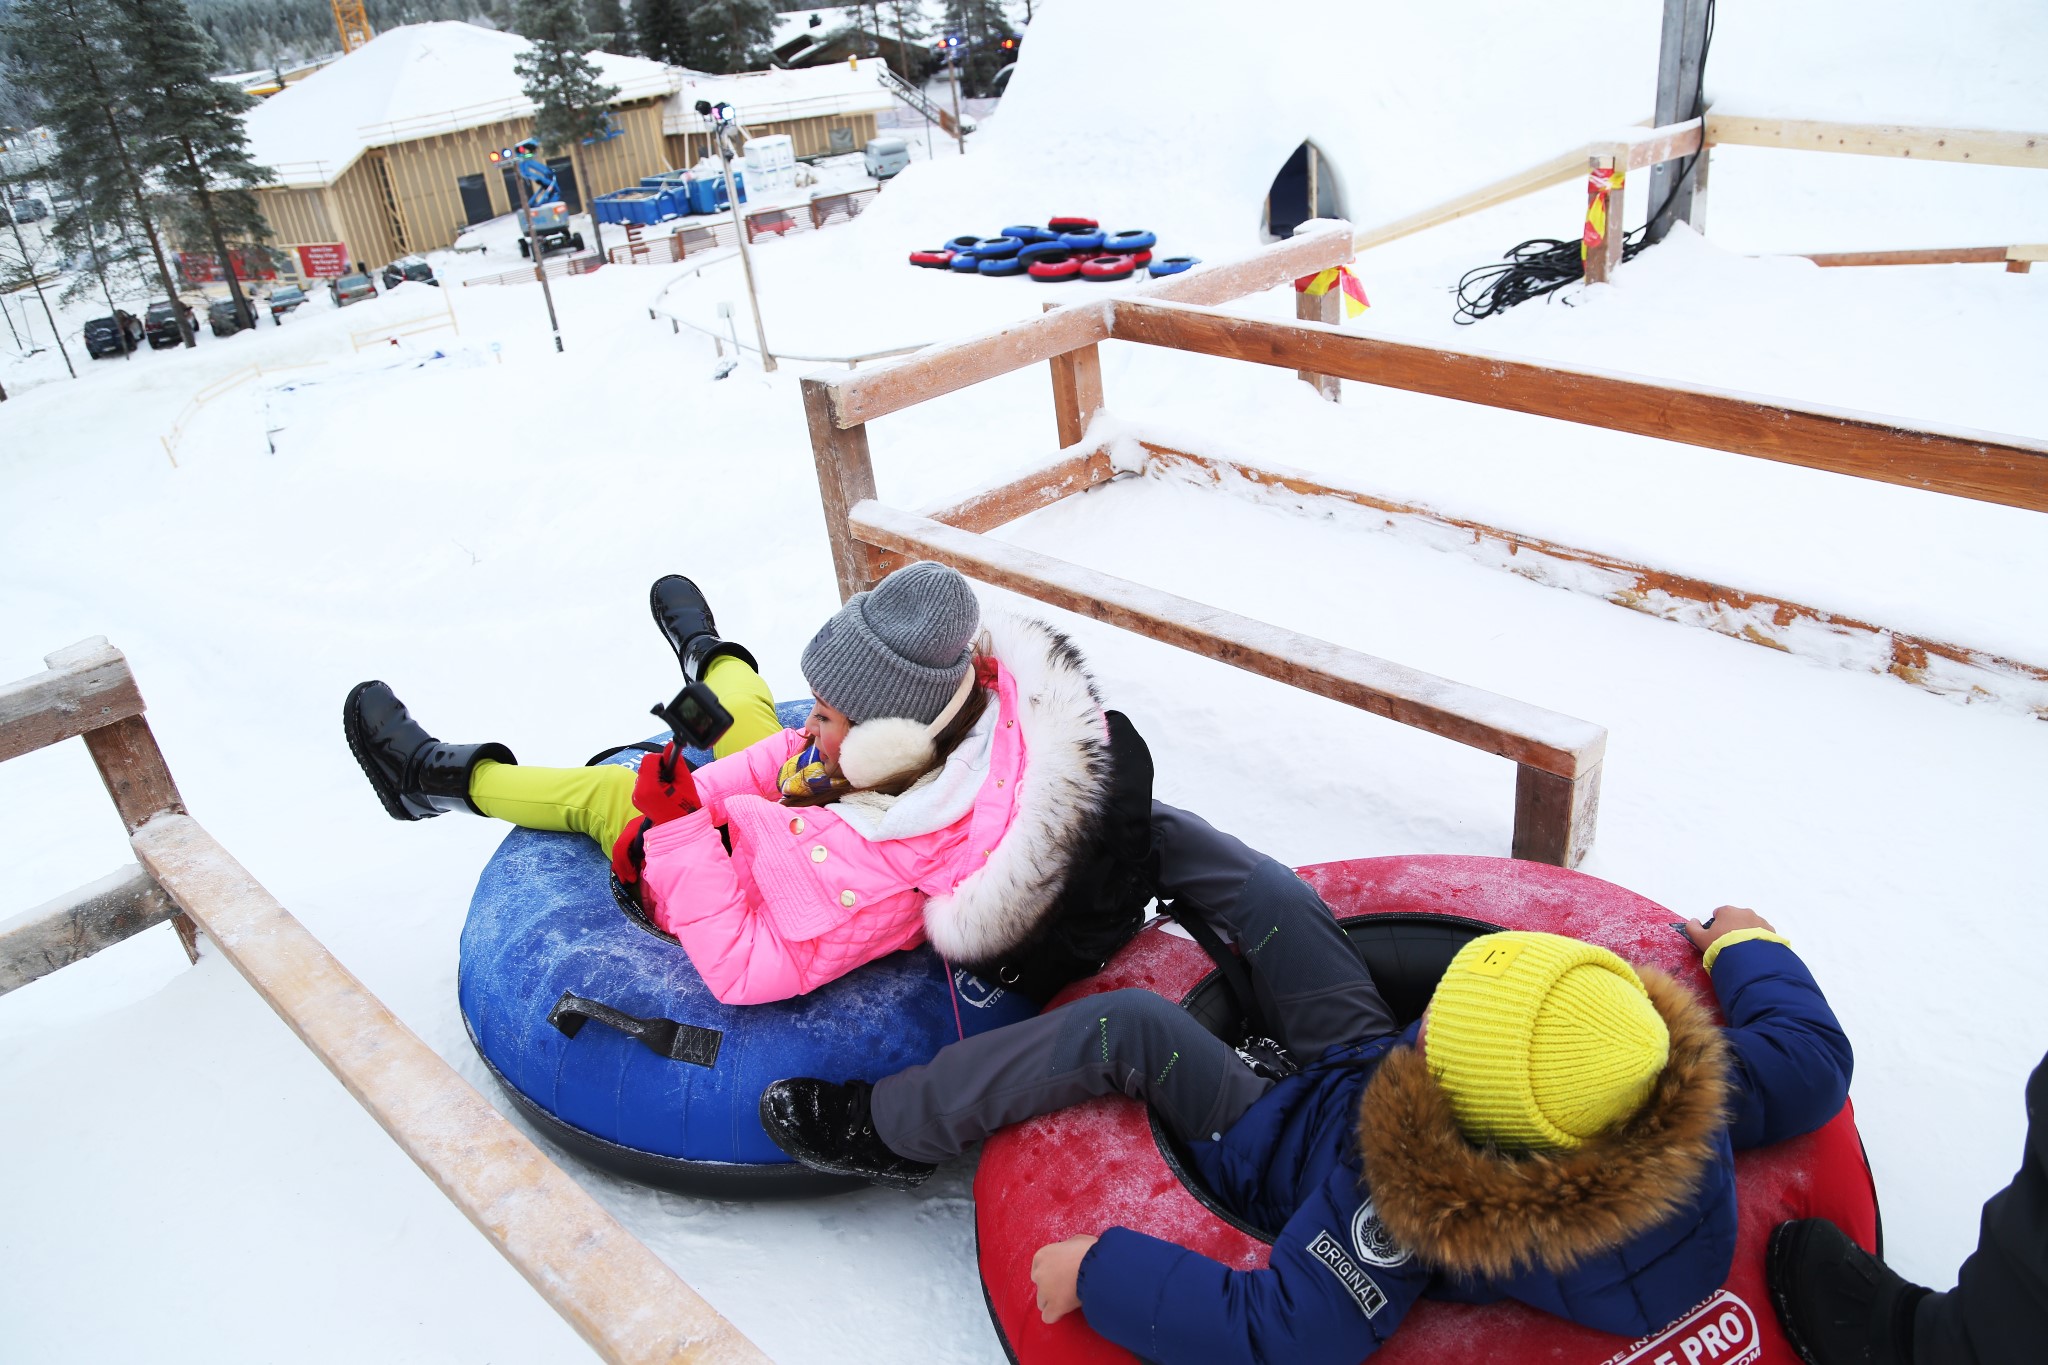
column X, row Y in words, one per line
column 602, row 1032
column 1108, row 1163
column 1064, row 249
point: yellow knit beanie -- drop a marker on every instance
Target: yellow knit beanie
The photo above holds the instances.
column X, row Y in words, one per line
column 1542, row 1041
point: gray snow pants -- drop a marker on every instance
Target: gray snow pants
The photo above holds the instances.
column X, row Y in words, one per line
column 1312, row 987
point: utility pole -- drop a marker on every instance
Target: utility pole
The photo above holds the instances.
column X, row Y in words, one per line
column 1681, row 63
column 540, row 272
column 722, row 120
column 953, row 41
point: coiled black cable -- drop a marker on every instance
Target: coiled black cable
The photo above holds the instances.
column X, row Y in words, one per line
column 1543, row 265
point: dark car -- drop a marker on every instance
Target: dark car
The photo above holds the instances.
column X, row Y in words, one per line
column 408, row 268
column 116, row 335
column 161, row 323
column 225, row 318
column 30, row 210
column 283, row 299
column 351, row 289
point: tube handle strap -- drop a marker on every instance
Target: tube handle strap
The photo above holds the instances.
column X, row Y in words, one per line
column 679, row 1042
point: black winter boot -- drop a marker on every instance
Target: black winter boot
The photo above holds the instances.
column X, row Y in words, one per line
column 827, row 1127
column 685, row 619
column 414, row 774
column 1838, row 1304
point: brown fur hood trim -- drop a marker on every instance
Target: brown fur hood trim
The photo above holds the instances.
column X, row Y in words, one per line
column 1483, row 1212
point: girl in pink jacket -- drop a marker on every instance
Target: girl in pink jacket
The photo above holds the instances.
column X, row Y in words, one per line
column 957, row 782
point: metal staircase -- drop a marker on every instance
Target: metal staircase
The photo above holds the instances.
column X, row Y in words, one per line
column 920, row 102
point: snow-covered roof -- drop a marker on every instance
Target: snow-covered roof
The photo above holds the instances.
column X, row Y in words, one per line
column 810, row 23
column 408, row 83
column 773, row 96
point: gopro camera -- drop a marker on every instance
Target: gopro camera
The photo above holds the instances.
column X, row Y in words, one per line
column 696, row 716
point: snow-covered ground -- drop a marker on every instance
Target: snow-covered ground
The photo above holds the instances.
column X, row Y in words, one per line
column 474, row 518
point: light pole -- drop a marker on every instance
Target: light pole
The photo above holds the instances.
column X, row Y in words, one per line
column 953, row 41
column 723, row 119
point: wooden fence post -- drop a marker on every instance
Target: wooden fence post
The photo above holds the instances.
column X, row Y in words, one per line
column 1555, row 816
column 1076, row 390
column 845, row 476
column 136, row 776
column 1600, row 245
column 1327, row 306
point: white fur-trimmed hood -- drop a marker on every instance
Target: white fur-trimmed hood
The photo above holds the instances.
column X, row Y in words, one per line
column 1002, row 905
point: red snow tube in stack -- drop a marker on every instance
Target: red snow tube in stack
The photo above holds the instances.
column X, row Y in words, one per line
column 1106, row 1163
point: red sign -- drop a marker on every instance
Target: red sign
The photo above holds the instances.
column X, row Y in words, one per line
column 324, row 260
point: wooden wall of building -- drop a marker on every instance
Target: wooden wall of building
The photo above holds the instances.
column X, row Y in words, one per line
column 810, row 136
column 425, row 195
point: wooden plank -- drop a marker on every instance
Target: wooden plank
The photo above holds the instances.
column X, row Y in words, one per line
column 1326, row 307
column 952, row 366
column 2028, row 252
column 74, row 926
column 1953, row 255
column 1076, row 471
column 1655, row 146
column 1563, row 167
column 1555, row 816
column 1076, row 392
column 846, row 476
column 85, row 686
column 630, row 1307
column 1485, row 720
column 1984, row 147
column 1986, row 466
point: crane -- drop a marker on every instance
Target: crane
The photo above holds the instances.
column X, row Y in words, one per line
column 352, row 23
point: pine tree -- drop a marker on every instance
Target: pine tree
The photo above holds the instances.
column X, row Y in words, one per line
column 83, row 81
column 663, row 30
column 607, row 19
column 569, row 96
column 196, row 140
column 731, row 35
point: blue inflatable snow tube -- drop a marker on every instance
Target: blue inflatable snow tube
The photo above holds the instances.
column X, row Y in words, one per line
column 1173, row 265
column 965, row 262
column 1006, row 266
column 962, row 243
column 548, row 950
column 1129, row 241
column 995, row 248
column 1031, row 233
column 1081, row 241
column 1039, row 251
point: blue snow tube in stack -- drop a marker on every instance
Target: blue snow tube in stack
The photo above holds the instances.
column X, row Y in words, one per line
column 602, row 1032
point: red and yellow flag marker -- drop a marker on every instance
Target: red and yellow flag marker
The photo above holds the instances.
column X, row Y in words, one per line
column 1338, row 277
column 1601, row 183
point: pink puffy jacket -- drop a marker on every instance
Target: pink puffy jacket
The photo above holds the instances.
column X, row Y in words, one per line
column 804, row 898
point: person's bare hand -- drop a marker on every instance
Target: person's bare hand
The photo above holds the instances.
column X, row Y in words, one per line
column 1727, row 920
column 1056, row 1274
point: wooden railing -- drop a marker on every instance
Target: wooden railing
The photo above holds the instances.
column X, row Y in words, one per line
column 620, row 1297
column 1558, row 757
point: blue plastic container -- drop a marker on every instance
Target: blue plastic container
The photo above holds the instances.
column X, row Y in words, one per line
column 707, row 192
column 544, row 921
column 643, row 206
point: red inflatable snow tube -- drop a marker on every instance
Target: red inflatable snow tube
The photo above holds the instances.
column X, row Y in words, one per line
column 1072, row 224
column 936, row 259
column 1104, row 269
column 1105, row 1163
column 1055, row 268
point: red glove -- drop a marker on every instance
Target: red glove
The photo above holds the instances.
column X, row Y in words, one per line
column 627, row 854
column 665, row 790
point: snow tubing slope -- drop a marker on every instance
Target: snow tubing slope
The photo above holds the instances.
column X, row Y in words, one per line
column 1107, row 1163
column 544, row 922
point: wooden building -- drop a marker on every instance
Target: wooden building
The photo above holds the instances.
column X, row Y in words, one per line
column 388, row 149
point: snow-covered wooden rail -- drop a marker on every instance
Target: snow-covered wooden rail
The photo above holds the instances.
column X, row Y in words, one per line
column 621, row 1298
column 1557, row 757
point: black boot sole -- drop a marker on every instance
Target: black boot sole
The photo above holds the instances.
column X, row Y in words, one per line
column 1777, row 1274
column 359, row 745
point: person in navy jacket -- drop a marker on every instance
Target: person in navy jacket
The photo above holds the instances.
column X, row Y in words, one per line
column 1559, row 1128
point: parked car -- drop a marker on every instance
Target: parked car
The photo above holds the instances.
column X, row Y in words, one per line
column 885, row 156
column 409, row 268
column 160, row 323
column 351, row 289
column 283, row 299
column 30, row 210
column 116, row 335
column 225, row 318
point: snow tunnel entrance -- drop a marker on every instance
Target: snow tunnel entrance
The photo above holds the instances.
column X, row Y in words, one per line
column 1305, row 188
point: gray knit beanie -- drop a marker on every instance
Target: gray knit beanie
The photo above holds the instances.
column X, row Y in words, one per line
column 899, row 649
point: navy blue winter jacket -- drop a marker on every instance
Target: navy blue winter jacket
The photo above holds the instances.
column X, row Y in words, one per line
column 1307, row 1158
